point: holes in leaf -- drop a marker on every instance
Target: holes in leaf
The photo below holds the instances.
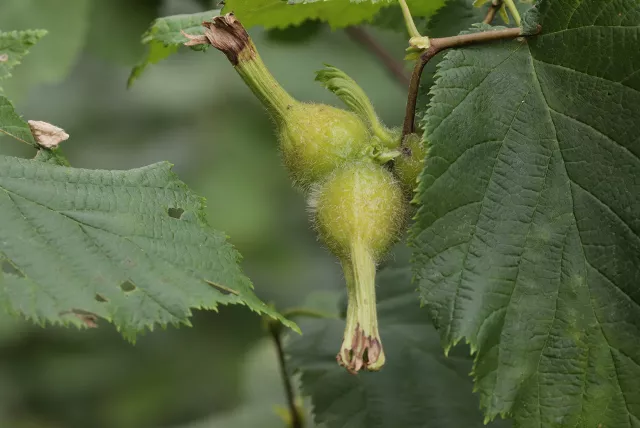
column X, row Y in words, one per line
column 10, row 268
column 127, row 287
column 100, row 298
column 175, row 212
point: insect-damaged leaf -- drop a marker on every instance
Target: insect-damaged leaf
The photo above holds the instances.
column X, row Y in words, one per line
column 105, row 243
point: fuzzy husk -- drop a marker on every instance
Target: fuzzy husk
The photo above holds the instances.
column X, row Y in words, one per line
column 359, row 212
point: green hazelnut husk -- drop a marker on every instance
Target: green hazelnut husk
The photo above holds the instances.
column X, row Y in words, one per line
column 314, row 138
column 359, row 213
column 358, row 204
column 410, row 163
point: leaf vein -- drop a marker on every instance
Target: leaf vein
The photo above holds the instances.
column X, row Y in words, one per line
column 584, row 73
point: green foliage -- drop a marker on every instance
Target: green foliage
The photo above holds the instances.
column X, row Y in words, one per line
column 337, row 13
column 454, row 17
column 12, row 124
column 132, row 247
column 417, row 387
column 281, row 14
column 66, row 22
column 110, row 257
column 296, row 34
column 534, row 258
column 526, row 241
column 164, row 37
column 13, row 47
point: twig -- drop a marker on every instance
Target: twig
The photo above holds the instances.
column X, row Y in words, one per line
column 438, row 45
column 394, row 66
column 494, row 7
column 275, row 329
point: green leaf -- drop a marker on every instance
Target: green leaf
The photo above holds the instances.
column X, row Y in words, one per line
column 417, row 387
column 337, row 13
column 53, row 156
column 527, row 239
column 132, row 247
column 15, row 45
column 66, row 22
column 12, row 124
column 164, row 37
column 296, row 34
column 454, row 17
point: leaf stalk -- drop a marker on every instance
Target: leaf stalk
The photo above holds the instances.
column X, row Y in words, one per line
column 408, row 19
column 513, row 10
column 438, row 45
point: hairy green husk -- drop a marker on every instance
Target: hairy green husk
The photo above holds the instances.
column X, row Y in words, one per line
column 359, row 213
column 408, row 166
column 358, row 204
column 314, row 138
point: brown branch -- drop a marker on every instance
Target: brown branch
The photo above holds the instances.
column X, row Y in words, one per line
column 494, row 7
column 438, row 45
column 275, row 329
column 394, row 66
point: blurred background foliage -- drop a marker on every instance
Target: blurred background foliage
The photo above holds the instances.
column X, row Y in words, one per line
column 194, row 111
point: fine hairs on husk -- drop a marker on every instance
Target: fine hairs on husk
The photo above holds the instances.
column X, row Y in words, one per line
column 358, row 206
column 359, row 213
column 315, row 139
column 408, row 166
column 359, row 199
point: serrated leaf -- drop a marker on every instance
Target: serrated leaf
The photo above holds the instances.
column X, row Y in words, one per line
column 132, row 247
column 454, row 17
column 66, row 22
column 164, row 37
column 13, row 46
column 337, row 13
column 527, row 238
column 417, row 387
column 12, row 124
